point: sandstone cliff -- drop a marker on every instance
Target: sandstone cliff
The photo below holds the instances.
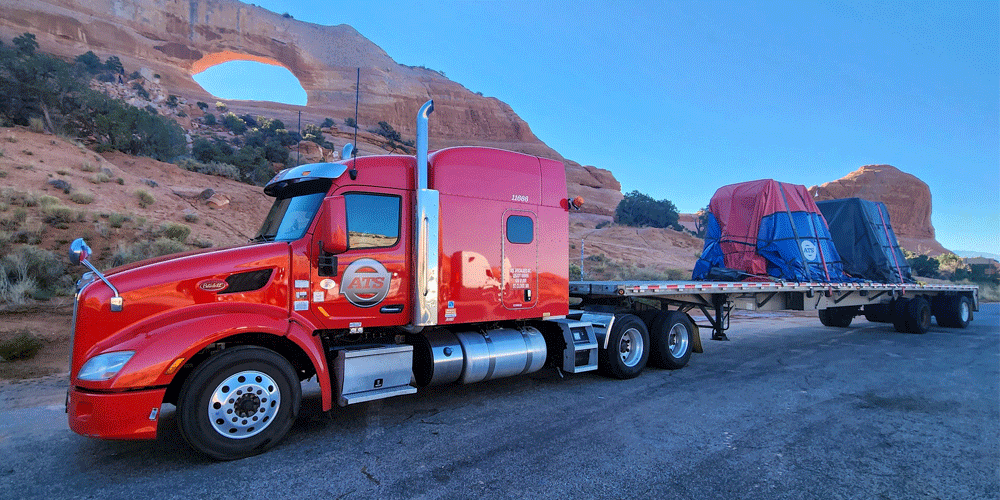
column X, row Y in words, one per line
column 175, row 39
column 907, row 198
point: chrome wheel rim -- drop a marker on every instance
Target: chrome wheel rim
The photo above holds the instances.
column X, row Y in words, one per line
column 244, row 404
column 677, row 340
column 630, row 347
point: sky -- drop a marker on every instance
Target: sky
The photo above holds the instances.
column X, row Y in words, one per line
column 680, row 98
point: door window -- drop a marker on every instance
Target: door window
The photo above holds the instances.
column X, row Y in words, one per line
column 372, row 220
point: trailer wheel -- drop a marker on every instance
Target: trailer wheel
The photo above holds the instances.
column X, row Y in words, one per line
column 954, row 312
column 627, row 350
column 912, row 315
column 238, row 403
column 670, row 338
column 878, row 313
column 900, row 314
column 839, row 317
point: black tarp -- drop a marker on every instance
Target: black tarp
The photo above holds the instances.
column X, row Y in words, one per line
column 865, row 240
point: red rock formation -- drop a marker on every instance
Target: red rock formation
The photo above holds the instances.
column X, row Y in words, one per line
column 598, row 187
column 907, row 198
column 176, row 39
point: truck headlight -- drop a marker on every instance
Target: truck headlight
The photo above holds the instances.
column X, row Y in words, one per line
column 104, row 366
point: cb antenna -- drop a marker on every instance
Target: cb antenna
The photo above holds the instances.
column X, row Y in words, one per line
column 354, row 152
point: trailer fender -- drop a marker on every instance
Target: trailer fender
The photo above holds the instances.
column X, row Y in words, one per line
column 695, row 337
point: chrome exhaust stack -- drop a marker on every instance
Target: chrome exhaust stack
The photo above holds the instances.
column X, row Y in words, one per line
column 425, row 234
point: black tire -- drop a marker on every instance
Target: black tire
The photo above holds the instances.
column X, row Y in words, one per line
column 838, row 317
column 670, row 340
column 900, row 314
column 628, row 348
column 954, row 311
column 919, row 315
column 878, row 313
column 265, row 389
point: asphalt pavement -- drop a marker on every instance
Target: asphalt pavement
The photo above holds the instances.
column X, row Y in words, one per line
column 786, row 409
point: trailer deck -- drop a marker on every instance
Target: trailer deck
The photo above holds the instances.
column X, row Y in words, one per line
column 887, row 302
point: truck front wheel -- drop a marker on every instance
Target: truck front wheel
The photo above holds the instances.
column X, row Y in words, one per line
column 628, row 348
column 238, row 403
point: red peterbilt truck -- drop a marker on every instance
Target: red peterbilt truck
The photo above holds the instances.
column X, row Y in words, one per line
column 381, row 274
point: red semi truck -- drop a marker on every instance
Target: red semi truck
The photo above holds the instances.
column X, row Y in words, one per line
column 381, row 274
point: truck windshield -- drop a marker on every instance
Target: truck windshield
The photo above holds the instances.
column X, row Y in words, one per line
column 290, row 217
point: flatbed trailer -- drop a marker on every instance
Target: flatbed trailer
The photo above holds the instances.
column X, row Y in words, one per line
column 908, row 306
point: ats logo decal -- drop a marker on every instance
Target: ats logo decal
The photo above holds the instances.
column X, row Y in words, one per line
column 365, row 282
column 213, row 285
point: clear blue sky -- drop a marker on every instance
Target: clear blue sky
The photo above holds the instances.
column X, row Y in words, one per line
column 680, row 98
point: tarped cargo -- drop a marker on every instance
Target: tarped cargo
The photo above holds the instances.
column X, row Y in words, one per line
column 865, row 240
column 767, row 230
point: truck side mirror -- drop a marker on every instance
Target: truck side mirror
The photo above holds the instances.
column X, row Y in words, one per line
column 331, row 229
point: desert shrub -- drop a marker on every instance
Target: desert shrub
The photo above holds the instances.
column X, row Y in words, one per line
column 14, row 220
column 128, row 253
column 117, row 220
column 89, row 61
column 234, row 123
column 171, row 101
column 200, row 243
column 30, row 233
column 178, row 232
column 211, row 168
column 221, row 106
column 46, row 200
column 24, row 345
column 58, row 214
column 120, row 181
column 33, row 272
column 638, row 209
column 327, row 123
column 350, row 122
column 18, row 198
column 82, row 197
column 603, row 224
column 145, row 199
column 88, row 167
column 208, row 119
column 114, row 65
column 191, row 217
column 100, row 178
column 36, row 125
column 140, row 90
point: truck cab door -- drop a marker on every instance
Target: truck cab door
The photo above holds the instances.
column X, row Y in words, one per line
column 367, row 284
column 519, row 258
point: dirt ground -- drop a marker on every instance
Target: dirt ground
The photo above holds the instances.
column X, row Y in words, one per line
column 51, row 325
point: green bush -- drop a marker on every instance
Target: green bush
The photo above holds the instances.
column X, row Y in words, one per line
column 211, row 168
column 145, row 199
column 82, row 197
column 638, row 209
column 32, row 272
column 234, row 123
column 208, row 119
column 36, row 125
column 24, row 345
column 117, row 220
column 191, row 217
column 178, row 232
column 58, row 214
